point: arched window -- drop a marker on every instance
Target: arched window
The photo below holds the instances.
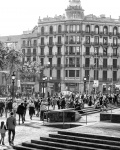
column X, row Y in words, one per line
column 51, row 30
column 42, row 30
column 88, row 28
column 97, row 29
column 59, row 29
column 114, row 30
column 105, row 30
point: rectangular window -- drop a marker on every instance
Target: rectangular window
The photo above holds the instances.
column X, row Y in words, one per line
column 77, row 62
column 77, row 73
column 34, row 58
column 66, row 39
column 96, row 62
column 28, row 59
column 104, row 63
column 105, row 40
column 42, row 40
column 72, row 62
column 96, row 40
column 34, row 51
column 114, row 51
column 67, row 50
column 78, row 50
column 114, row 75
column 96, row 51
column 50, row 50
column 115, row 63
column 87, row 39
column 114, row 41
column 59, row 50
column 104, row 51
column 104, row 75
column 24, row 43
column 72, row 50
column 71, row 73
column 78, row 28
column 59, row 39
column 42, row 61
column 50, row 72
column 78, row 39
column 42, row 51
column 66, row 73
column 35, row 43
column 87, row 51
column 58, row 74
column 95, row 74
column 28, row 51
column 50, row 40
column 23, row 51
column 87, row 62
column 58, row 62
column 50, row 60
column 87, row 74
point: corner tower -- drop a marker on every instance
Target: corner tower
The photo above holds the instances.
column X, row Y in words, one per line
column 74, row 10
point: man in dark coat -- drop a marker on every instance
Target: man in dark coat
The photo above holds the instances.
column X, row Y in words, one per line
column 21, row 112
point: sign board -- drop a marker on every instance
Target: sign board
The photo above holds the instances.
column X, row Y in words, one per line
column 96, row 83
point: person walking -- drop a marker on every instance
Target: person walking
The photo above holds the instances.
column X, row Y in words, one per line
column 2, row 131
column 11, row 124
column 21, row 112
column 31, row 109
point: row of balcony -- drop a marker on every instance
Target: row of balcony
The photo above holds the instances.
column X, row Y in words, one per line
column 101, row 67
column 29, row 45
column 110, row 34
column 101, row 54
column 72, row 42
column 102, row 44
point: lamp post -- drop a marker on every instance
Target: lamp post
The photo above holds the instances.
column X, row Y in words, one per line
column 13, row 82
column 85, row 85
column 43, row 84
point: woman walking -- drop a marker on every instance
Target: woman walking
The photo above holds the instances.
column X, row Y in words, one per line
column 2, row 131
column 31, row 109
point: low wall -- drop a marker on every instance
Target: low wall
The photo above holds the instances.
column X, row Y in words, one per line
column 114, row 118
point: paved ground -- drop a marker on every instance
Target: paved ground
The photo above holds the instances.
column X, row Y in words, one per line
column 33, row 129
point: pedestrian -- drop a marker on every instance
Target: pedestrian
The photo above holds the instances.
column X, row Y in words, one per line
column 25, row 105
column 21, row 112
column 11, row 124
column 2, row 131
column 43, row 109
column 31, row 109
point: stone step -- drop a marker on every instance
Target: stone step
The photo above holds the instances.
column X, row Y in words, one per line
column 89, row 135
column 35, row 144
column 20, row 147
column 64, row 145
column 85, row 139
column 81, row 143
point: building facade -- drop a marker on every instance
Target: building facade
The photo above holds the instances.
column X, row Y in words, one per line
column 72, row 47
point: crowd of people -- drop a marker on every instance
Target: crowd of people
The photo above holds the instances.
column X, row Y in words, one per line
column 37, row 106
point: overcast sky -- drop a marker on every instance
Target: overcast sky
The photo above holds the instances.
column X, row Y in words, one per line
column 17, row 16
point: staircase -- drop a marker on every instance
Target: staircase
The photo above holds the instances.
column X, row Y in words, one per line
column 64, row 140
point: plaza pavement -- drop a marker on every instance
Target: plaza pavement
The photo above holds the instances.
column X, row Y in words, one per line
column 33, row 129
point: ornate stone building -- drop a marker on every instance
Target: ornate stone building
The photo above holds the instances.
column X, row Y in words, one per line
column 73, row 46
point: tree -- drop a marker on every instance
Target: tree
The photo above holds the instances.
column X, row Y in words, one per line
column 10, row 59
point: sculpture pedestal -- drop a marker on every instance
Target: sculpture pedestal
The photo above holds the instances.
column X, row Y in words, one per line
column 63, row 115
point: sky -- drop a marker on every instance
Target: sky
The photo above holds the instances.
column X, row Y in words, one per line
column 17, row 16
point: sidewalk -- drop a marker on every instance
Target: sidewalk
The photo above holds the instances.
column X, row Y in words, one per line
column 33, row 129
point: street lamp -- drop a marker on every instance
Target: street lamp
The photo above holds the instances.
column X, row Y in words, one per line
column 13, row 82
column 43, row 84
column 85, row 84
